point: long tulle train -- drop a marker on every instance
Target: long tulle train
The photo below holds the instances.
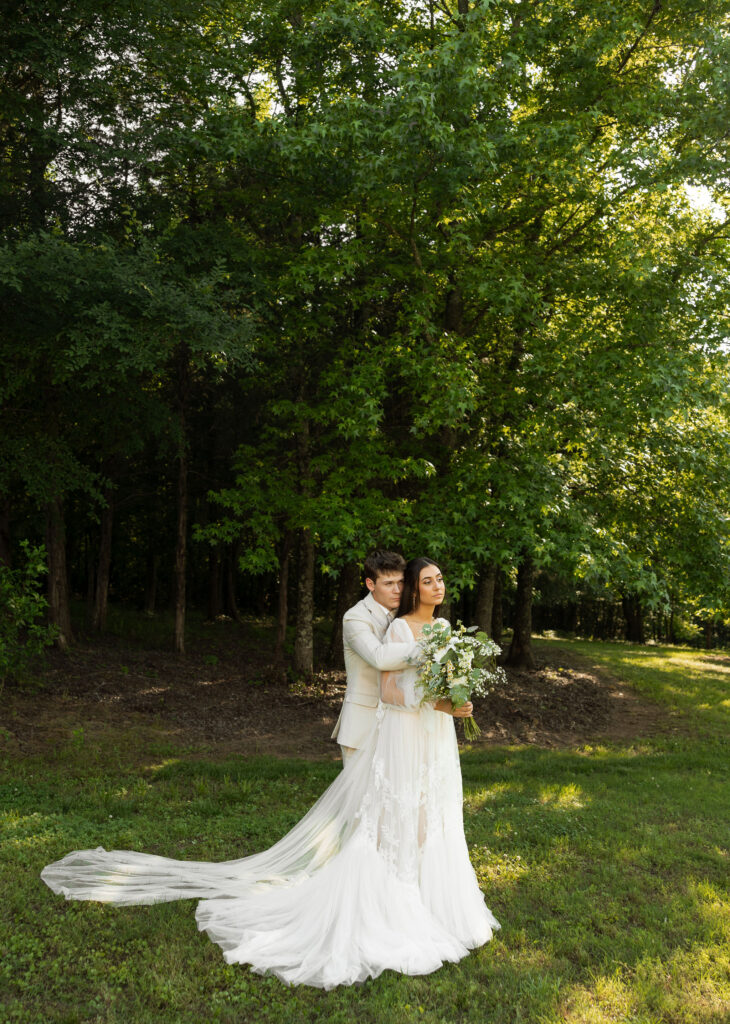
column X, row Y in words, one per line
column 375, row 876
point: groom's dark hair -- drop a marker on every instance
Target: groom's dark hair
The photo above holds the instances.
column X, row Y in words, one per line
column 381, row 561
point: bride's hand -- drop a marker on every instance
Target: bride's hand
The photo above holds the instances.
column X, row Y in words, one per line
column 465, row 711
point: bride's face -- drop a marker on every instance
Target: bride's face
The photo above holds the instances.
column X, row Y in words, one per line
column 431, row 587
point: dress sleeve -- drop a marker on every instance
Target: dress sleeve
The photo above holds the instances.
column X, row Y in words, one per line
column 396, row 654
column 397, row 688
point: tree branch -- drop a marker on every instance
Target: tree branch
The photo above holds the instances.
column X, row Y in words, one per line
column 411, row 233
column 282, row 90
column 251, row 100
column 445, row 10
column 657, row 6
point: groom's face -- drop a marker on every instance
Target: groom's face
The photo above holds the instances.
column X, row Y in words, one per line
column 386, row 589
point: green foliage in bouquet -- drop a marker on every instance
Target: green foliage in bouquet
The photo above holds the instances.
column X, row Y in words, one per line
column 459, row 664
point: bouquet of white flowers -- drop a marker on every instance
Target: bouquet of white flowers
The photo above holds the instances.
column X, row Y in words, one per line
column 458, row 664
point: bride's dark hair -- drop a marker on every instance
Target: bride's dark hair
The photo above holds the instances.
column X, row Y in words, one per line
column 410, row 597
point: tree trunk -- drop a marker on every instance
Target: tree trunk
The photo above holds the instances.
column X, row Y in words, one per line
column 101, row 596
column 59, row 608
column 90, row 579
column 497, row 608
column 215, row 583
column 634, row 616
column 485, row 597
column 283, row 605
column 611, row 623
column 572, row 617
column 709, row 628
column 150, row 590
column 231, row 563
column 347, row 591
column 304, row 644
column 520, row 653
column 182, row 392
column 181, row 552
column 6, row 547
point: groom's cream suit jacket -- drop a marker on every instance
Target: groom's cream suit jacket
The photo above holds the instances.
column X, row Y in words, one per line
column 363, row 630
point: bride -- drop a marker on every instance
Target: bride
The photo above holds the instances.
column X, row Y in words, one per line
column 375, row 876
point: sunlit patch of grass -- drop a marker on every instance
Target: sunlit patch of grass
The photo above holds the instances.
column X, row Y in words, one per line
column 476, row 799
column 690, row 986
column 497, row 867
column 570, row 796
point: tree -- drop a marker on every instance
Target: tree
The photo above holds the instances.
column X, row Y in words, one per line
column 136, row 306
column 442, row 256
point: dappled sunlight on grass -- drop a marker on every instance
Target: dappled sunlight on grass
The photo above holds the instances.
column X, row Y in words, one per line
column 497, row 867
column 605, row 1000
column 713, row 902
column 28, row 830
column 475, row 800
column 562, row 797
column 699, row 664
column 608, row 882
column 158, row 767
column 682, row 987
column 636, row 748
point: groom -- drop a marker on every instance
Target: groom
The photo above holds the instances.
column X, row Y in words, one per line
column 366, row 656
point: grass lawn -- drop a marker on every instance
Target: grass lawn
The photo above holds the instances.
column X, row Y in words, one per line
column 608, row 867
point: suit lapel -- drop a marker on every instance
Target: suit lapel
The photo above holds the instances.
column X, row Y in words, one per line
column 378, row 615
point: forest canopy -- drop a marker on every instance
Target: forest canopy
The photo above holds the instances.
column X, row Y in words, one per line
column 283, row 282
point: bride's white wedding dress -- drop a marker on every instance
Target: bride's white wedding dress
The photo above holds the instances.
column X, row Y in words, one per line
column 375, row 876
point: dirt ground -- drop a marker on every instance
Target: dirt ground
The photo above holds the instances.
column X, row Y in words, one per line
column 228, row 702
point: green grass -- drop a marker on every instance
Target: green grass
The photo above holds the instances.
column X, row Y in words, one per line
column 608, row 867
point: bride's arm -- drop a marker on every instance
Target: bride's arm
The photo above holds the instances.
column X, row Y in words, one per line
column 389, row 656
column 448, row 708
column 390, row 692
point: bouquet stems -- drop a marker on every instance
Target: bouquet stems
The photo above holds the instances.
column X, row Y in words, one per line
column 471, row 729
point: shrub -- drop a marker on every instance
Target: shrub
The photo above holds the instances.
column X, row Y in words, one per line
column 23, row 633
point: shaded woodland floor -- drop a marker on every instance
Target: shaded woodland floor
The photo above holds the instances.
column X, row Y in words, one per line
column 226, row 695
